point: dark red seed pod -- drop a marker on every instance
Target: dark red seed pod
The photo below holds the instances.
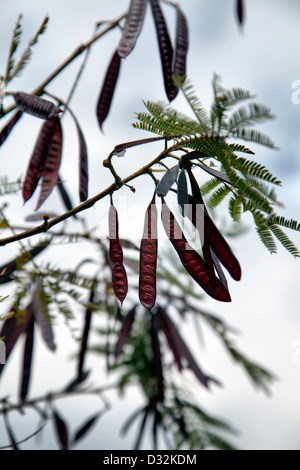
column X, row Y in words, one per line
column 35, row 105
column 125, row 330
column 9, row 126
column 52, row 162
column 179, row 347
column 148, row 258
column 132, row 28
column 108, row 88
column 12, row 328
column 27, row 360
column 37, row 161
column 157, row 358
column 240, row 11
column 119, row 276
column 165, row 49
column 182, row 44
column 190, row 259
column 213, row 236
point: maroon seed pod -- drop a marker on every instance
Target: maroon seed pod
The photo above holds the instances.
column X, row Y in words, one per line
column 119, row 276
column 35, row 105
column 52, row 161
column 214, row 238
column 125, row 330
column 11, row 330
column 108, row 88
column 148, row 258
column 27, row 359
column 182, row 43
column 191, row 260
column 9, row 126
column 165, row 49
column 132, row 28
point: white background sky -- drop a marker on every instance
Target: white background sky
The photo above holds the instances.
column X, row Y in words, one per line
column 265, row 307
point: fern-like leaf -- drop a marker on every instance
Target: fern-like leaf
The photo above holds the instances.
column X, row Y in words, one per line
column 26, row 55
column 16, row 37
column 284, row 240
column 188, row 90
column 252, row 135
column 218, row 196
column 235, row 208
column 249, row 116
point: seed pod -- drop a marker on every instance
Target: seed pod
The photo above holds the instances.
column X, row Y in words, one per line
column 35, row 105
column 165, row 49
column 132, row 28
column 12, row 329
column 190, row 259
column 179, row 65
column 240, row 11
column 61, row 429
column 119, row 276
column 182, row 192
column 27, row 360
column 148, row 258
column 41, row 315
column 178, row 345
column 157, row 358
column 108, row 88
column 86, row 427
column 9, row 126
column 48, row 144
column 167, row 181
column 213, row 236
column 125, row 330
column 52, row 162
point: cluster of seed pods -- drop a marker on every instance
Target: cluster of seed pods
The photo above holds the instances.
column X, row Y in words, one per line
column 173, row 60
column 45, row 160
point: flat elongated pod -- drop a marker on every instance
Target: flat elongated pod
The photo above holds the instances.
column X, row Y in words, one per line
column 4, row 133
column 83, row 160
column 119, row 150
column 12, row 329
column 181, row 349
column 148, row 258
column 61, row 429
column 157, row 358
column 27, row 359
column 132, row 28
column 35, row 105
column 182, row 192
column 165, row 49
column 125, row 330
column 240, row 13
column 38, row 158
column 86, row 427
column 119, row 276
column 52, row 162
column 167, row 181
column 41, row 316
column 108, row 88
column 212, row 235
column 190, row 259
column 182, row 44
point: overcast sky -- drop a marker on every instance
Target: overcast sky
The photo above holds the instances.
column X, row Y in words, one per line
column 263, row 58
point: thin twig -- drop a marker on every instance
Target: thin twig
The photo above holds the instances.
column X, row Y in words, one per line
column 39, row 90
column 85, row 205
